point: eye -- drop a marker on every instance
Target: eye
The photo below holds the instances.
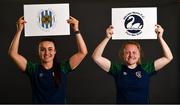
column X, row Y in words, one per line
column 126, row 52
column 42, row 49
column 50, row 49
column 134, row 52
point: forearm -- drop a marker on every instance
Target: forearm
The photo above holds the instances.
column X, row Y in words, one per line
column 81, row 44
column 100, row 48
column 13, row 52
column 103, row 62
column 166, row 50
column 13, row 49
column 76, row 59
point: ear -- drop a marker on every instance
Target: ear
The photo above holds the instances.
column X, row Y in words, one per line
column 55, row 51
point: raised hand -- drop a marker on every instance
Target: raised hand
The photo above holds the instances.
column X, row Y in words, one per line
column 159, row 31
column 109, row 31
column 20, row 23
column 74, row 23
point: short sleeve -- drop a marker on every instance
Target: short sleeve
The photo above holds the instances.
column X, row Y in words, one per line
column 65, row 67
column 30, row 67
column 149, row 67
column 114, row 69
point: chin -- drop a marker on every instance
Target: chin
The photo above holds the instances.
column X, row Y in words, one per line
column 132, row 63
column 47, row 60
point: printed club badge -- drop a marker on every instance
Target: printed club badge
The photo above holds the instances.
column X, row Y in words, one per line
column 47, row 19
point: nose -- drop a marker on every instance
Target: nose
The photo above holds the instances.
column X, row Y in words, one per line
column 130, row 54
column 46, row 51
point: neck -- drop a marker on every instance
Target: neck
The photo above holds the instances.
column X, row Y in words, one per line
column 132, row 66
column 47, row 65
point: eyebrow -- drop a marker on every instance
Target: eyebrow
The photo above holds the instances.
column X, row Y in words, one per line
column 45, row 47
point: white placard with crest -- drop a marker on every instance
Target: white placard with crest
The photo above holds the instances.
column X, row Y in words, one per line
column 134, row 23
column 46, row 19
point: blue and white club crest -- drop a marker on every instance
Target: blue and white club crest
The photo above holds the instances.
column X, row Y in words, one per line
column 134, row 23
column 47, row 19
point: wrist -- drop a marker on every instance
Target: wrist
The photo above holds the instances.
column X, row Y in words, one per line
column 76, row 32
column 160, row 36
column 19, row 30
column 75, row 29
column 108, row 36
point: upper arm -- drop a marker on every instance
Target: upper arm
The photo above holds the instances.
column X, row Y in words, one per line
column 149, row 67
column 104, row 63
column 115, row 69
column 30, row 68
column 75, row 60
column 65, row 67
column 20, row 61
column 160, row 63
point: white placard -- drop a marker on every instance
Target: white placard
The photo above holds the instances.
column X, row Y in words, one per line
column 46, row 19
column 134, row 23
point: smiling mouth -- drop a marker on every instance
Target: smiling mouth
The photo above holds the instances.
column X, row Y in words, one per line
column 47, row 56
column 132, row 58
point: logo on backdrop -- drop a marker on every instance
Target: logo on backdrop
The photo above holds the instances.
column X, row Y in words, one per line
column 134, row 23
column 47, row 19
